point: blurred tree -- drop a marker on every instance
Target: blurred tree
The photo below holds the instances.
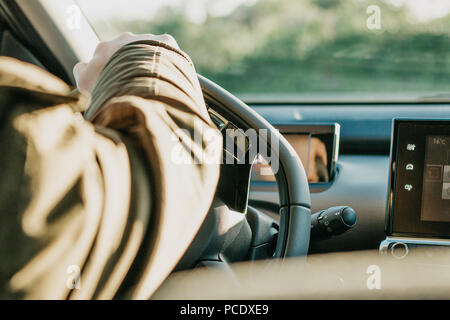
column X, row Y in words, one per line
column 310, row 46
column 326, row 4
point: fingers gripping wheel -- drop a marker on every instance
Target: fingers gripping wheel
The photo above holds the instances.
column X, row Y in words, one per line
column 295, row 201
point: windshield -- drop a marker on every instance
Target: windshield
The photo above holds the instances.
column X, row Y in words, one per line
column 300, row 50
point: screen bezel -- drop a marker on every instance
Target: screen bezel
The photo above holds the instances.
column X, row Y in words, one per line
column 407, row 222
column 329, row 133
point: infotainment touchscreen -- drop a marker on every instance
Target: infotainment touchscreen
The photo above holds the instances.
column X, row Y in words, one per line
column 436, row 179
column 419, row 181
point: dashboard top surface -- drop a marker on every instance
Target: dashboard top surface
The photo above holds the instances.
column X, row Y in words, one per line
column 365, row 128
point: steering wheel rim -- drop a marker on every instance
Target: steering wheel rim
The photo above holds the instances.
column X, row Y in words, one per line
column 295, row 200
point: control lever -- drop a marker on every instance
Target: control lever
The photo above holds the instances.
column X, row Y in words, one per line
column 332, row 222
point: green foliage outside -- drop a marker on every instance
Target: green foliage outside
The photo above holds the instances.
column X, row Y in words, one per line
column 311, row 48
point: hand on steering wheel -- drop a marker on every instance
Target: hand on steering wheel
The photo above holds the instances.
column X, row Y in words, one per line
column 86, row 73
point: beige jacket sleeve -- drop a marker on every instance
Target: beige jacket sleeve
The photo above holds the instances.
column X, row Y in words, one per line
column 103, row 209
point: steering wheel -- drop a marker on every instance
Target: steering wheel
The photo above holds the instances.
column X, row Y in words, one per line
column 293, row 189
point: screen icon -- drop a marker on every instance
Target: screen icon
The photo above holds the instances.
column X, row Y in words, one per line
column 433, row 173
column 446, row 174
column 446, row 191
column 409, row 167
column 408, row 187
column 411, row 147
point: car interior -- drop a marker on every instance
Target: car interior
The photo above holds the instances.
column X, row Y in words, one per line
column 382, row 189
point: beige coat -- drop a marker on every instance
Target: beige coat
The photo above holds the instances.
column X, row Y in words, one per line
column 99, row 208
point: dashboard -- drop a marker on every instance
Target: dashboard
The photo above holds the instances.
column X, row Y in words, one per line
column 419, row 189
column 363, row 169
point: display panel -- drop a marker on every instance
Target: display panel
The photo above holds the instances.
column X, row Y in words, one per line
column 419, row 193
column 303, row 138
column 436, row 180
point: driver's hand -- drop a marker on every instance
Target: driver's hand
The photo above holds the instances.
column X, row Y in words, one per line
column 86, row 73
